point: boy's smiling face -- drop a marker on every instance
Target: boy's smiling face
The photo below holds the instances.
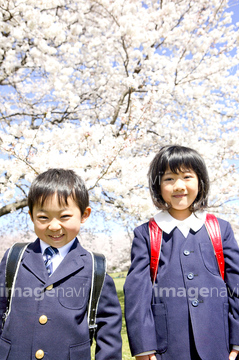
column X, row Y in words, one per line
column 57, row 224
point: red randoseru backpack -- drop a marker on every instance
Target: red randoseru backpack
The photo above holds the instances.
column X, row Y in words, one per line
column 214, row 233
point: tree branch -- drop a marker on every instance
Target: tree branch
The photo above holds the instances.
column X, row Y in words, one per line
column 120, row 103
column 16, row 206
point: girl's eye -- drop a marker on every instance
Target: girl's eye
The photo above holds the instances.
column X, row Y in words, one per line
column 188, row 176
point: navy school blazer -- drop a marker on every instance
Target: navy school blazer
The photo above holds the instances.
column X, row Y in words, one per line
column 48, row 318
column 189, row 301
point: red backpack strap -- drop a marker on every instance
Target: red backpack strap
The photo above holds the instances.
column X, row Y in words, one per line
column 214, row 233
column 155, row 234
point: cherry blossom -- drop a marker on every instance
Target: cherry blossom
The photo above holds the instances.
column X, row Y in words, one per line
column 100, row 86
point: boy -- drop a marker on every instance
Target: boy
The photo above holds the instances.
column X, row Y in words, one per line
column 48, row 318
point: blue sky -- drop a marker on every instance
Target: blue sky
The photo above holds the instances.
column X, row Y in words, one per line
column 234, row 6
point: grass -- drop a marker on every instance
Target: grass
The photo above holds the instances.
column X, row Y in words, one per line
column 119, row 279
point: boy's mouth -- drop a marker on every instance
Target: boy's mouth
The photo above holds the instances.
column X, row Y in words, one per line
column 56, row 236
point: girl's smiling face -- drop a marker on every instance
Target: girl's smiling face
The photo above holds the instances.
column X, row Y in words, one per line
column 179, row 191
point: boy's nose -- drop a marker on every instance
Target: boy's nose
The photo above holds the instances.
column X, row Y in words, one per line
column 54, row 225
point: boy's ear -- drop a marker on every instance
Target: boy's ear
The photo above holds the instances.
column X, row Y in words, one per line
column 30, row 215
column 86, row 214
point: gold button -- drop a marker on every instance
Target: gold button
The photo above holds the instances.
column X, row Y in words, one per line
column 49, row 287
column 43, row 319
column 39, row 354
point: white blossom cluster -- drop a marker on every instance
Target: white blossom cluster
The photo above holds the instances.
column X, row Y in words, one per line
column 100, row 86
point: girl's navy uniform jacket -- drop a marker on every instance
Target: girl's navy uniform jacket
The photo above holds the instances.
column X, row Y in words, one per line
column 190, row 306
column 48, row 318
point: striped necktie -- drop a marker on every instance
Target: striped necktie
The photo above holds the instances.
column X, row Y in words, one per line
column 48, row 255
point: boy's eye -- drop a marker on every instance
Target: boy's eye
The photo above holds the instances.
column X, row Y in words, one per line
column 42, row 217
column 65, row 216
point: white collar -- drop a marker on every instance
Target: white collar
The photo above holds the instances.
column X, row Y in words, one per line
column 62, row 250
column 167, row 223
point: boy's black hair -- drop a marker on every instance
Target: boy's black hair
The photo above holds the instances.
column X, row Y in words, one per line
column 64, row 183
column 178, row 158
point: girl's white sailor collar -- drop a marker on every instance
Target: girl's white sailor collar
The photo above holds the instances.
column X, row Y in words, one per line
column 167, row 223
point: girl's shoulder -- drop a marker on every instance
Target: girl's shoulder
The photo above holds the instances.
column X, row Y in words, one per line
column 226, row 229
column 143, row 228
column 224, row 224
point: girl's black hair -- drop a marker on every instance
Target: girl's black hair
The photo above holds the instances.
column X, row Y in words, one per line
column 178, row 158
column 64, row 183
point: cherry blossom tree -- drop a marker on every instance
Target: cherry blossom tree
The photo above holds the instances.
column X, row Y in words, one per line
column 100, row 86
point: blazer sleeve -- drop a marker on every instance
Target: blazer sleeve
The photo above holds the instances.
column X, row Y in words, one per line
column 231, row 257
column 109, row 321
column 3, row 292
column 138, row 296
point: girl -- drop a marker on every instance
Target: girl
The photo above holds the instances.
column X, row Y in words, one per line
column 190, row 313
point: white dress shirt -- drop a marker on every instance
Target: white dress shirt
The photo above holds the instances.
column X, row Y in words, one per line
column 57, row 258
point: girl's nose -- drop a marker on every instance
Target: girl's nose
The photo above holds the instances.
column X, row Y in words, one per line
column 54, row 225
column 179, row 185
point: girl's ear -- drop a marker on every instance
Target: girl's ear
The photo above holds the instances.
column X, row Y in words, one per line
column 86, row 214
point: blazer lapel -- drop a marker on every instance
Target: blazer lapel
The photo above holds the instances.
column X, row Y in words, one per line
column 33, row 261
column 70, row 264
